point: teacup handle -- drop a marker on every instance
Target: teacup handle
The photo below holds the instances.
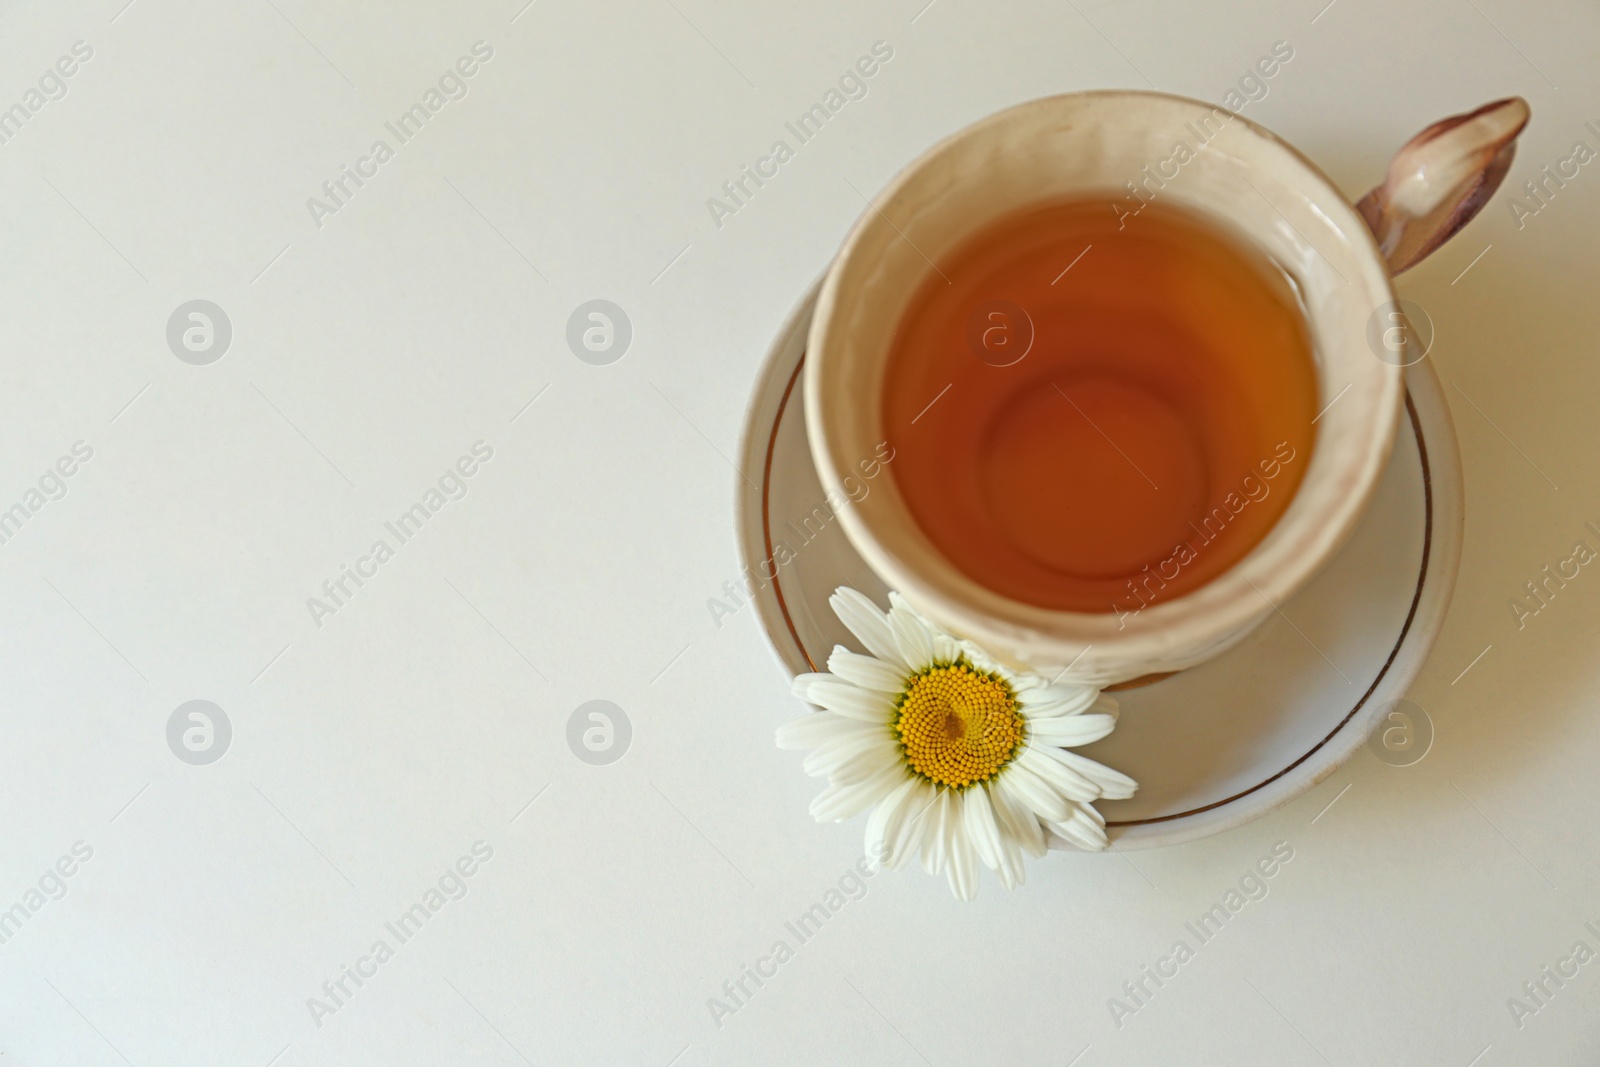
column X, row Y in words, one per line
column 1441, row 179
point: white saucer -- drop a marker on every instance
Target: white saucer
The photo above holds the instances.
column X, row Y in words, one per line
column 1213, row 746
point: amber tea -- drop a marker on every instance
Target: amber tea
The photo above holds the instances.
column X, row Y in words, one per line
column 1094, row 416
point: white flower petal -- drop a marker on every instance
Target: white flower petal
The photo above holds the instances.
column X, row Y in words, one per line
column 937, row 835
column 838, row 802
column 1035, row 793
column 1114, row 785
column 868, row 672
column 1010, row 866
column 1013, row 872
column 842, row 698
column 962, row 869
column 1066, row 781
column 885, row 825
column 928, row 830
column 1073, row 838
column 978, row 822
column 862, row 618
column 1010, row 871
column 1080, row 830
column 900, row 603
column 1017, row 822
column 863, row 765
column 801, row 686
column 984, row 662
column 916, row 821
column 952, row 834
column 1057, row 700
column 1069, row 731
column 1089, row 811
column 911, row 635
column 827, row 759
column 820, row 727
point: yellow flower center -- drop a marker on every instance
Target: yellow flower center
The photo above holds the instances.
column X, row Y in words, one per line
column 957, row 725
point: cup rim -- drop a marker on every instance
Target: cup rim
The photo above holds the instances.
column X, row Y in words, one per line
column 1241, row 595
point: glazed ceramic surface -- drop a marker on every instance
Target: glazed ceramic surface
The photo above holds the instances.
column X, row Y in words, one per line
column 1229, row 169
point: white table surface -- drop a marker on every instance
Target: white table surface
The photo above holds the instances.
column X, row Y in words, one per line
column 371, row 752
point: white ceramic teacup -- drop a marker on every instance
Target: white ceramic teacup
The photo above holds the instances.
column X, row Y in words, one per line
column 1339, row 257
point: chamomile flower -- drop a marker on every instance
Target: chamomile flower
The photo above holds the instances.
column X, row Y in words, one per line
column 960, row 758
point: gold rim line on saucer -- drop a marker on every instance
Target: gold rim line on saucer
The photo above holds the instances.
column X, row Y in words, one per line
column 1400, row 638
column 766, row 509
